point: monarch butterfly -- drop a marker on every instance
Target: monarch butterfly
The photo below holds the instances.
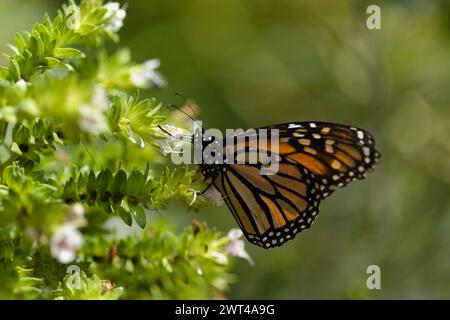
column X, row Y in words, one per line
column 313, row 158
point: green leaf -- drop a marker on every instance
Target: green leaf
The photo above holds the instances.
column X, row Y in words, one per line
column 15, row 69
column 33, row 156
column 20, row 42
column 69, row 193
column 114, row 294
column 92, row 186
column 103, row 181
column 14, row 49
column 4, row 72
column 43, row 32
column 66, row 53
column 36, row 48
column 15, row 148
column 52, row 62
column 124, row 215
column 86, row 29
column 135, row 183
column 20, row 134
column 3, row 128
column 14, row 176
column 118, row 186
column 38, row 128
column 57, row 139
column 139, row 216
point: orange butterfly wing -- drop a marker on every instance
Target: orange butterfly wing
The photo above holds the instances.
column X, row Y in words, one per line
column 313, row 158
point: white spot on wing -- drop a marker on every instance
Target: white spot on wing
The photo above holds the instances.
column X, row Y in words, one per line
column 366, row 151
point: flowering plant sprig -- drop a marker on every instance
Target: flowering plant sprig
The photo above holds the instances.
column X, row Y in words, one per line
column 81, row 152
column 51, row 44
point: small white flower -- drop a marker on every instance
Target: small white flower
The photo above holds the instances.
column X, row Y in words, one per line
column 236, row 246
column 21, row 83
column 65, row 242
column 112, row 7
column 146, row 74
column 235, row 234
column 100, row 98
column 213, row 195
column 173, row 141
column 76, row 215
column 115, row 15
column 74, row 20
column 77, row 210
column 92, row 119
column 219, row 257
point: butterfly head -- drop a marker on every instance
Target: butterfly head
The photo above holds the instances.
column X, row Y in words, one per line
column 209, row 149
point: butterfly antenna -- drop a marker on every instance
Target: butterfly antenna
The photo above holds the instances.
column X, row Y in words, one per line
column 186, row 101
column 180, row 95
column 187, row 115
column 182, row 111
column 183, row 138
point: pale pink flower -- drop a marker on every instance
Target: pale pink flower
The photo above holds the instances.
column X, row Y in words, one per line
column 146, row 75
column 65, row 242
column 236, row 246
column 173, row 141
column 115, row 15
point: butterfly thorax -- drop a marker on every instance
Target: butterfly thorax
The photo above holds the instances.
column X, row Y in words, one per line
column 208, row 152
column 211, row 171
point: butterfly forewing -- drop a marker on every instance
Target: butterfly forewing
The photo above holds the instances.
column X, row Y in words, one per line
column 336, row 153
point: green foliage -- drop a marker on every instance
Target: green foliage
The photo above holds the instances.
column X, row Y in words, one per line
column 136, row 120
column 81, row 287
column 79, row 151
column 128, row 194
column 161, row 264
column 50, row 44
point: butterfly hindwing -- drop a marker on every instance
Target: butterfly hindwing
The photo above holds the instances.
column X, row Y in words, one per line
column 274, row 209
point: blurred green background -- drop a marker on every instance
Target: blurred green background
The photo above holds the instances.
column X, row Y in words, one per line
column 251, row 63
